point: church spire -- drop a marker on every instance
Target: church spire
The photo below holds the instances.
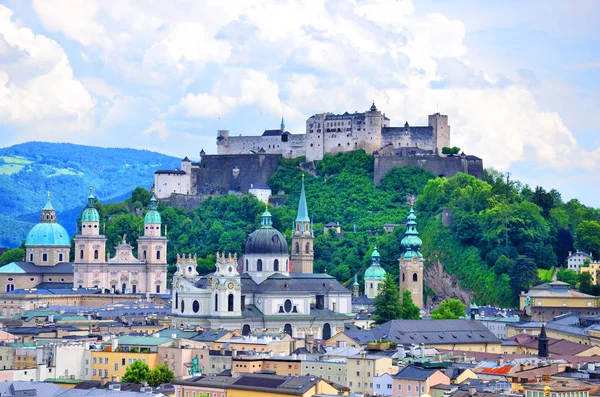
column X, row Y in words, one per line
column 282, row 124
column 48, row 212
column 302, row 215
column 411, row 243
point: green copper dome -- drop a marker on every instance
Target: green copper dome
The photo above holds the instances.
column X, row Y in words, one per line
column 152, row 216
column 375, row 270
column 48, row 232
column 90, row 213
column 411, row 243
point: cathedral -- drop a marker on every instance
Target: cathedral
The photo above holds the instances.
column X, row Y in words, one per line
column 265, row 289
column 48, row 248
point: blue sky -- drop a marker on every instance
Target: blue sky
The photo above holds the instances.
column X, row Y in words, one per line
column 519, row 80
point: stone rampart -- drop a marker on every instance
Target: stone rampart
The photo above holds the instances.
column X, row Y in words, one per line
column 440, row 166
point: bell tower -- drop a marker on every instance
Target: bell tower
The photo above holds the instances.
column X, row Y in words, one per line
column 411, row 261
column 152, row 249
column 90, row 245
column 302, row 238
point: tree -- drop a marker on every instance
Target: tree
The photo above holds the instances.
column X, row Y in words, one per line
column 587, row 237
column 12, row 255
column 585, row 283
column 410, row 311
column 450, row 150
column 503, row 265
column 450, row 309
column 522, row 275
column 160, row 375
column 136, row 372
column 140, row 195
column 387, row 303
column 567, row 276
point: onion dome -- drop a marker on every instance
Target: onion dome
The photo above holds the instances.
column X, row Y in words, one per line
column 411, row 243
column 152, row 216
column 266, row 240
column 48, row 233
column 90, row 213
column 373, row 107
column 375, row 270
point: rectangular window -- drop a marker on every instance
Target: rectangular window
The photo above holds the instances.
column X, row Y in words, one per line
column 106, row 360
column 94, row 360
column 45, row 257
column 123, row 361
column 94, row 372
column 116, row 367
column 399, row 387
column 105, row 373
column 408, row 388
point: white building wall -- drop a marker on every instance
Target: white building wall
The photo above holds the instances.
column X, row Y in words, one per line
column 383, row 385
column 167, row 184
column 261, row 194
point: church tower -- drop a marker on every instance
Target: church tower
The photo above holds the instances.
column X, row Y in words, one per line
column 302, row 238
column 152, row 249
column 226, row 288
column 411, row 261
column 90, row 245
column 374, row 275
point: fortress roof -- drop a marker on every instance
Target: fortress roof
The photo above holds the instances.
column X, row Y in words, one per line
column 419, row 130
column 176, row 172
column 272, row 133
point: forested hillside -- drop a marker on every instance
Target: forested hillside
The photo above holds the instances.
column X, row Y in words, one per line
column 502, row 232
column 29, row 170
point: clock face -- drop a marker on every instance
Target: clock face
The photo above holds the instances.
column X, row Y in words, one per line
column 230, row 285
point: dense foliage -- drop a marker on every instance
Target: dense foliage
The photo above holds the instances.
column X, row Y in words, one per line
column 450, row 309
column 29, row 170
column 501, row 234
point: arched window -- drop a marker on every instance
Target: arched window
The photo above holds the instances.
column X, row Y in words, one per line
column 158, row 289
column 45, row 257
column 81, row 254
column 176, row 300
column 297, row 248
column 246, row 264
column 95, row 254
column 371, row 285
column 307, row 248
column 123, row 288
column 403, row 277
column 287, row 328
column 230, row 303
column 30, row 257
column 415, row 278
column 157, row 254
column 326, row 331
column 216, row 302
column 196, row 306
column 246, row 330
column 60, row 257
column 259, row 265
column 144, row 254
column 276, row 265
column 182, row 305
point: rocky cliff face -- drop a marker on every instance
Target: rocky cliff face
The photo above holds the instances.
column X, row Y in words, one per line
column 444, row 285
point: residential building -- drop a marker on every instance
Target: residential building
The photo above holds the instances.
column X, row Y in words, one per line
column 575, row 260
column 261, row 191
column 364, row 367
column 383, row 385
column 413, row 381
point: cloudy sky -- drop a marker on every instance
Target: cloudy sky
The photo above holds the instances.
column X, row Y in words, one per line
column 519, row 80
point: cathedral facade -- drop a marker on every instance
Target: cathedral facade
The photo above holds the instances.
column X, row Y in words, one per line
column 124, row 272
column 264, row 289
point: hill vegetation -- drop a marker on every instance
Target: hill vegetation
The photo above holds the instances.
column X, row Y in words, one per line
column 29, row 170
column 502, row 232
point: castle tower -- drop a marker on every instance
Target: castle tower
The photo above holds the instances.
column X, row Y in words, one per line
column 90, row 245
column 372, row 138
column 152, row 249
column 411, row 261
column 374, row 276
column 226, row 288
column 47, row 243
column 314, row 142
column 302, row 238
column 441, row 131
column 355, row 288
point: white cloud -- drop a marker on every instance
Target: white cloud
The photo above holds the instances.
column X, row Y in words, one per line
column 159, row 128
column 38, row 92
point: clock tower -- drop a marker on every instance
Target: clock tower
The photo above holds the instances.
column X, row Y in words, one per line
column 226, row 288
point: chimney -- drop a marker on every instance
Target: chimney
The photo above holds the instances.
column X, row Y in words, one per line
column 234, row 353
column 114, row 344
column 401, row 352
column 412, row 349
column 222, row 350
column 422, row 349
column 500, row 361
column 309, row 342
column 472, row 390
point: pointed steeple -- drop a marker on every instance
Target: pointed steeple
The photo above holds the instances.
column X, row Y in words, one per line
column 302, row 215
column 282, row 124
column 543, row 343
column 411, row 243
column 355, row 281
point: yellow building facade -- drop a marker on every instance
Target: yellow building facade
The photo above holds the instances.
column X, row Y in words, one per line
column 593, row 269
column 112, row 365
column 555, row 294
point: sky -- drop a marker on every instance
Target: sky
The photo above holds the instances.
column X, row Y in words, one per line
column 519, row 80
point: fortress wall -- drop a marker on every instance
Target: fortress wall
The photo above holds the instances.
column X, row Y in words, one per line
column 421, row 139
column 440, row 166
column 185, row 201
column 218, row 170
column 294, row 147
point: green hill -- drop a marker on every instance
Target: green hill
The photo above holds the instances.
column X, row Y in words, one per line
column 29, row 170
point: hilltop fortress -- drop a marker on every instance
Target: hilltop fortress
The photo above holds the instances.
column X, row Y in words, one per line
column 328, row 133
column 245, row 162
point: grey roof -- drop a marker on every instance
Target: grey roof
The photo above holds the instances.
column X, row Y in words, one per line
column 429, row 332
column 412, row 372
column 260, row 185
column 363, row 300
column 59, row 268
column 391, row 131
column 209, row 336
column 272, row 132
column 176, row 172
column 301, row 282
column 266, row 241
column 42, row 389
